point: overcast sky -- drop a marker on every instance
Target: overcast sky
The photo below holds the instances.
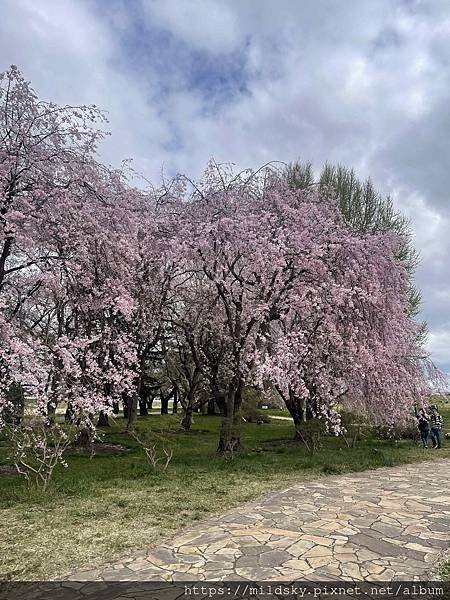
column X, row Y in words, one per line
column 364, row 83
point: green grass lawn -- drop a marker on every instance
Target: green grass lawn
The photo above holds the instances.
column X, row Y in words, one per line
column 276, row 412
column 104, row 507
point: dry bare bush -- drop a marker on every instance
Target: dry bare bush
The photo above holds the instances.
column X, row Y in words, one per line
column 37, row 447
column 157, row 453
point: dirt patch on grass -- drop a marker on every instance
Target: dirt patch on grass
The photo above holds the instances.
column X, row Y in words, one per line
column 8, row 471
column 98, row 449
column 282, row 444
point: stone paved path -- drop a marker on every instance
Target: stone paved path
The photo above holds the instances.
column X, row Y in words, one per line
column 392, row 523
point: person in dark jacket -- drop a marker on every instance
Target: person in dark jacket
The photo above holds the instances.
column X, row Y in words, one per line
column 437, row 423
column 423, row 423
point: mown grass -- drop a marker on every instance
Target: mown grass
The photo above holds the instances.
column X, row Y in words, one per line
column 102, row 508
column 276, row 412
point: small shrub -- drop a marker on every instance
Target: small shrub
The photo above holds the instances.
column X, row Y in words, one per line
column 157, row 452
column 355, row 428
column 311, row 434
column 408, row 431
column 37, row 447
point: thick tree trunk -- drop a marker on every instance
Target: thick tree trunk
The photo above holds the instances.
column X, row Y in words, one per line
column 165, row 404
column 309, row 413
column 299, row 429
column 132, row 412
column 297, row 412
column 220, row 400
column 230, row 435
column 144, row 396
column 6, row 251
column 230, row 432
column 103, row 420
column 143, row 408
column 115, row 408
column 211, row 409
column 51, row 412
column 186, row 421
column 84, row 438
column 175, row 402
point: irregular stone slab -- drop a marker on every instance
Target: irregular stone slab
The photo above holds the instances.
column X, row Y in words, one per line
column 273, row 558
column 217, row 565
column 377, row 546
column 300, row 547
column 253, row 550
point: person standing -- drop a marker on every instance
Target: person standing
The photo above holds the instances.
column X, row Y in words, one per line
column 437, row 423
column 423, row 423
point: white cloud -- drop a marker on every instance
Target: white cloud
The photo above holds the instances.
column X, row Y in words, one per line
column 205, row 25
column 72, row 57
column 439, row 345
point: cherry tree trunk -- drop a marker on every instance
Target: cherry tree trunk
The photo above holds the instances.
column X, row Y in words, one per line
column 51, row 413
column 84, row 438
column 165, row 405
column 103, row 420
column 186, row 421
column 230, row 431
column 188, row 409
column 175, row 402
column 297, row 411
column 132, row 412
column 211, row 410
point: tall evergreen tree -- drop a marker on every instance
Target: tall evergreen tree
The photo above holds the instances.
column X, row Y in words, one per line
column 367, row 211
